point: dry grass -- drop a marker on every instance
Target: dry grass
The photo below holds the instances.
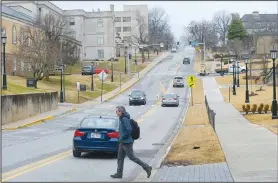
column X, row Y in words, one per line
column 196, row 142
column 238, row 100
column 264, row 120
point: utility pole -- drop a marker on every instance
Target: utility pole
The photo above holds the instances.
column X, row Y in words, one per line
column 128, row 60
column 113, row 45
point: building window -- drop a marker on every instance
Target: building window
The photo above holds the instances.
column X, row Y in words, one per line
column 126, row 29
column 21, row 35
column 127, row 38
column 35, row 36
column 14, row 35
column 29, row 39
column 118, row 19
column 100, row 53
column 118, row 29
column 14, row 63
column 3, row 31
column 22, row 65
column 126, row 19
column 100, row 40
column 72, row 23
column 99, row 22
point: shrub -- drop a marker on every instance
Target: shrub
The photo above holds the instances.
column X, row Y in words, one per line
column 254, row 108
column 260, row 109
column 243, row 108
column 266, row 108
column 262, row 105
column 247, row 108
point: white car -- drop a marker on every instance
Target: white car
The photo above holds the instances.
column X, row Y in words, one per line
column 174, row 50
column 241, row 69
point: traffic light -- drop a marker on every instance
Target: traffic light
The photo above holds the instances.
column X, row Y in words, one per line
column 189, row 42
column 178, row 43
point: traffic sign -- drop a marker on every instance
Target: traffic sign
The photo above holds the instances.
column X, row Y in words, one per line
column 191, row 79
column 102, row 75
column 192, row 85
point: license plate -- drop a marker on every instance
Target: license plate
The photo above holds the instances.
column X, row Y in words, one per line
column 95, row 135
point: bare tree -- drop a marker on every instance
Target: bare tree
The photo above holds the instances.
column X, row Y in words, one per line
column 158, row 21
column 142, row 36
column 41, row 47
column 222, row 20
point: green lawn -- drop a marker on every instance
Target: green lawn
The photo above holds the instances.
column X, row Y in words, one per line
column 14, row 89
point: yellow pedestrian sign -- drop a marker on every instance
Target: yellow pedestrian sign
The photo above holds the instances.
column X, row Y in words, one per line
column 192, row 85
column 191, row 80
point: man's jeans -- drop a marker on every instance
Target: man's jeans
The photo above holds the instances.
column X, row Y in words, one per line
column 127, row 150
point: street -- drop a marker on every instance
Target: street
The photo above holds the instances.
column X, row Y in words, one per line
column 43, row 152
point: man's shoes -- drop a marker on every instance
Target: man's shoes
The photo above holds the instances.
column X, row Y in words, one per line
column 117, row 176
column 149, row 171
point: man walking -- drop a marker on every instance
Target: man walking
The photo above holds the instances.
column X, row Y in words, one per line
column 126, row 144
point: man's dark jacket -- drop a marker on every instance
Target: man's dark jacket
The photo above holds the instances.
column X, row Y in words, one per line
column 125, row 129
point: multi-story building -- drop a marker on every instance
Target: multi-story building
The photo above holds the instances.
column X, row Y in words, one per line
column 264, row 28
column 16, row 19
column 96, row 30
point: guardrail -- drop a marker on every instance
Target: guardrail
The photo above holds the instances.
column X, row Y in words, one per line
column 211, row 114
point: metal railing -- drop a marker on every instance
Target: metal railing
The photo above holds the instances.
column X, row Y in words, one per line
column 211, row 114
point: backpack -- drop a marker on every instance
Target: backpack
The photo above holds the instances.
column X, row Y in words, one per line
column 135, row 134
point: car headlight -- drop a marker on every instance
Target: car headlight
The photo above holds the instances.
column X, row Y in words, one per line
column 142, row 98
column 130, row 98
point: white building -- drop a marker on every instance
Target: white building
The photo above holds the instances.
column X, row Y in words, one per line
column 96, row 30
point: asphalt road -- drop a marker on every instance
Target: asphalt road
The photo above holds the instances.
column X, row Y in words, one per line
column 43, row 152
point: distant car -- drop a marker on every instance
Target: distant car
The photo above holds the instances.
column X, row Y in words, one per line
column 186, row 61
column 87, row 70
column 137, row 97
column 98, row 70
column 170, row 99
column 174, row 50
column 178, row 82
column 96, row 133
column 241, row 69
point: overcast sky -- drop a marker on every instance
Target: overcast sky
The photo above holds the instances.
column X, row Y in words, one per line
column 180, row 12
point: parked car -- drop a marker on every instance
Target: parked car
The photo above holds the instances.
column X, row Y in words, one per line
column 87, row 70
column 170, row 99
column 186, row 61
column 241, row 69
column 137, row 97
column 96, row 133
column 98, row 70
column 178, row 82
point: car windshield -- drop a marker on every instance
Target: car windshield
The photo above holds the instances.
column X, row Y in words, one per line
column 178, row 78
column 186, row 58
column 136, row 93
column 86, row 67
column 99, row 123
column 170, row 96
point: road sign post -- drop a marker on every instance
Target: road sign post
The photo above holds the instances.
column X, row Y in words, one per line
column 191, row 81
column 102, row 76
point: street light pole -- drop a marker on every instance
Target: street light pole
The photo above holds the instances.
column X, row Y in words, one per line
column 4, row 39
column 221, row 65
column 125, row 61
column 274, row 101
column 234, row 78
column 61, row 83
column 112, row 70
column 238, row 73
column 246, row 79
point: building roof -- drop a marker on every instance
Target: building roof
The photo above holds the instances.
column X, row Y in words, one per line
column 260, row 18
column 13, row 13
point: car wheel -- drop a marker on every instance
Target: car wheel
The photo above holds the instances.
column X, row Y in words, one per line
column 145, row 103
column 162, row 105
column 82, row 74
column 130, row 103
column 76, row 154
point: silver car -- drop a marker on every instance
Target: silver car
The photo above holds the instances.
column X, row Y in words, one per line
column 178, row 82
column 170, row 99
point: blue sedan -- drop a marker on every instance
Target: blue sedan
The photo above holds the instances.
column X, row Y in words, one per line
column 96, row 133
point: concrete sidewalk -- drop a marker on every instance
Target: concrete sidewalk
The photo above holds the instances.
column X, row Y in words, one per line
column 250, row 150
column 38, row 118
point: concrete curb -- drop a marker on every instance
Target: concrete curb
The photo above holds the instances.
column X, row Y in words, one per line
column 164, row 150
column 40, row 120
